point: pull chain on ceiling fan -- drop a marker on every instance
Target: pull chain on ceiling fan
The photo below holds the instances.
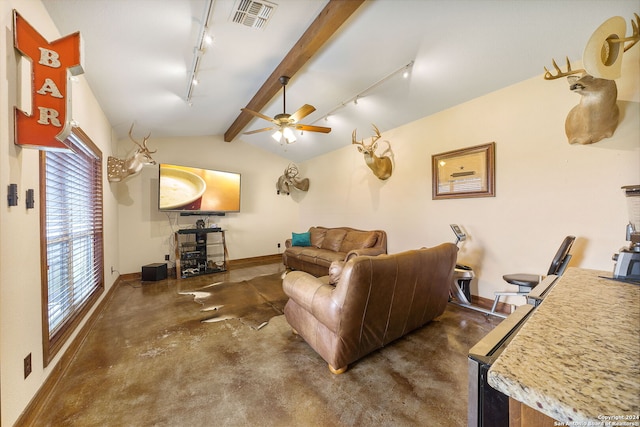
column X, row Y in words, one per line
column 285, row 123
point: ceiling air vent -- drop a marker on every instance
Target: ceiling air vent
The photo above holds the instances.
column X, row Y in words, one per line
column 253, row 13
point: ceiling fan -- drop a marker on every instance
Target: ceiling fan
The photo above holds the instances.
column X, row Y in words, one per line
column 285, row 123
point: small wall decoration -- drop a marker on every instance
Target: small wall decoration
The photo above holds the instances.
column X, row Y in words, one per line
column 49, row 124
column 381, row 166
column 290, row 180
column 119, row 169
column 468, row 172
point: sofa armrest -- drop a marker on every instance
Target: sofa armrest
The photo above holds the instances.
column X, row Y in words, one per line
column 287, row 243
column 314, row 295
column 301, row 287
column 365, row 252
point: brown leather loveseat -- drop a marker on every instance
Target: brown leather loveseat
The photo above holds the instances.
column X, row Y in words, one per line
column 372, row 301
column 326, row 245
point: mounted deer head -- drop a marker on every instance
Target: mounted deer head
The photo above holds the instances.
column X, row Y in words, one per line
column 290, row 180
column 119, row 169
column 596, row 116
column 381, row 166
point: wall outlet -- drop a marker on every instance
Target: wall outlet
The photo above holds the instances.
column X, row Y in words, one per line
column 278, row 245
column 27, row 366
column 166, row 257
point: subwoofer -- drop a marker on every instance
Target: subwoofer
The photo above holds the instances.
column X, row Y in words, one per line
column 154, row 272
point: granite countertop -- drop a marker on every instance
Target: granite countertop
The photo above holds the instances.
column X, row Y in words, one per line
column 577, row 358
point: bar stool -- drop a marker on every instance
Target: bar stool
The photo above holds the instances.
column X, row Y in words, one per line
column 526, row 282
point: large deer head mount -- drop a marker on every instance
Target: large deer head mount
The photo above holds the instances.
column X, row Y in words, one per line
column 119, row 169
column 381, row 166
column 596, row 116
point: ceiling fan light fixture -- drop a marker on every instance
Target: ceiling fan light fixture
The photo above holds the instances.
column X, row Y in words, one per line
column 289, row 135
column 286, row 123
column 286, row 134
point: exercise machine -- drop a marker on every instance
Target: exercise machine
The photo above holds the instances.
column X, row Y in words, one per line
column 460, row 291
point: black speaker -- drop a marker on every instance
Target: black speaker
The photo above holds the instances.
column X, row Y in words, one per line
column 154, row 272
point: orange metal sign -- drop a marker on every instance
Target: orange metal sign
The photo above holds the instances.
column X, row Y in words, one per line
column 48, row 125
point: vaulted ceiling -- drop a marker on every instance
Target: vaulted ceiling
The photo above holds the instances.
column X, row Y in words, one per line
column 139, row 54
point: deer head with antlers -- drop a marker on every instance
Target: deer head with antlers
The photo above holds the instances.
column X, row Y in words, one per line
column 290, row 180
column 381, row 166
column 596, row 116
column 119, row 169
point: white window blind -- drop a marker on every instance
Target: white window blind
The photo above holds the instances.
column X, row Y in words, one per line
column 73, row 233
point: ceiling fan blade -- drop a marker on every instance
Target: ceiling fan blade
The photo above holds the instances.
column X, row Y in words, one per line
column 255, row 113
column 258, row 130
column 313, row 128
column 302, row 112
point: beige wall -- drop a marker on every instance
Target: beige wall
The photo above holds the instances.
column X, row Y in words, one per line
column 20, row 316
column 545, row 188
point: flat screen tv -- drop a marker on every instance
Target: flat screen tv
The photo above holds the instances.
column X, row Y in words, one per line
column 196, row 191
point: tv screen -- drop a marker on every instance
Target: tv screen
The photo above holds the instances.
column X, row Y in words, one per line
column 195, row 190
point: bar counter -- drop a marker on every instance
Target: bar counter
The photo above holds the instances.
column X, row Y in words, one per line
column 577, row 358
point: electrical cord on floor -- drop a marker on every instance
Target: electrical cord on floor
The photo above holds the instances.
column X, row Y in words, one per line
column 121, row 281
column 125, row 282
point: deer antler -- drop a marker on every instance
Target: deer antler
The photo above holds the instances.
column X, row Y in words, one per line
column 354, row 140
column 378, row 136
column 549, row 76
column 635, row 37
column 142, row 146
column 373, row 138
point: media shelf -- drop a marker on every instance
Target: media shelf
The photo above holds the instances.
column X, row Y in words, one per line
column 200, row 251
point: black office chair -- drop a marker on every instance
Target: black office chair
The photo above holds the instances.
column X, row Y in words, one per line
column 526, row 282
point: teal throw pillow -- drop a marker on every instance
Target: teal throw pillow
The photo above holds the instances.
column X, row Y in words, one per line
column 301, row 239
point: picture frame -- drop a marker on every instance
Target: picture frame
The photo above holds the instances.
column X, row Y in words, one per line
column 467, row 172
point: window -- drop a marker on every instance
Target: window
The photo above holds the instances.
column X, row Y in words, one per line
column 71, row 237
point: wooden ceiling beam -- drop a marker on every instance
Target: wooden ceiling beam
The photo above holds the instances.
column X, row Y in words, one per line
column 334, row 14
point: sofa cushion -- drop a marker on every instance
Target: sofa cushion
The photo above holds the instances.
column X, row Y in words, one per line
column 311, row 255
column 317, row 236
column 295, row 251
column 325, row 257
column 358, row 240
column 333, row 239
column 301, row 239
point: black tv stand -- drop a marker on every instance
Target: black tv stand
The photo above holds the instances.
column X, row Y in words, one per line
column 200, row 251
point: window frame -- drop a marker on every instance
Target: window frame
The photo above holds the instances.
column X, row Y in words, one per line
column 53, row 343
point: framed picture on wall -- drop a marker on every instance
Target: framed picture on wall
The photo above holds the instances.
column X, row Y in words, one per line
column 467, row 172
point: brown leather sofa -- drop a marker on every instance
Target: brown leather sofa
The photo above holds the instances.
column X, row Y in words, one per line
column 367, row 302
column 332, row 244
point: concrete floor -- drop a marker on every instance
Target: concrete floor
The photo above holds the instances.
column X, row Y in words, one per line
column 149, row 361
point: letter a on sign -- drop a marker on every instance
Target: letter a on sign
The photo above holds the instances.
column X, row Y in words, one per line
column 48, row 125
